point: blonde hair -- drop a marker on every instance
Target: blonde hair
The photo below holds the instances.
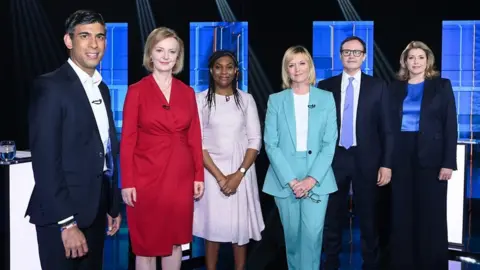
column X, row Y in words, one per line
column 430, row 71
column 156, row 36
column 287, row 57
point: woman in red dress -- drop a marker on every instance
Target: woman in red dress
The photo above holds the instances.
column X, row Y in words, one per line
column 161, row 156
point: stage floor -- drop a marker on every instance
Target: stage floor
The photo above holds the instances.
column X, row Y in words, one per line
column 268, row 254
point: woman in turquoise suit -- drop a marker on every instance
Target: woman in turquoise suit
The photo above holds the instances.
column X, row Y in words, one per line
column 300, row 138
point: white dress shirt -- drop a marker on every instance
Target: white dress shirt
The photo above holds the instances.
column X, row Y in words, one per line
column 356, row 93
column 90, row 84
column 301, row 120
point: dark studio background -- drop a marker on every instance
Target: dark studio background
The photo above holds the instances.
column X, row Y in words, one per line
column 33, row 44
column 33, row 36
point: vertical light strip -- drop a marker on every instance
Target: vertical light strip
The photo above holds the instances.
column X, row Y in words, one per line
column 332, row 44
column 473, row 83
column 197, row 51
column 221, row 37
column 112, row 50
column 460, row 56
column 215, row 39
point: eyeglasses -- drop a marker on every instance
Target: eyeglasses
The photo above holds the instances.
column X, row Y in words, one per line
column 348, row 52
column 314, row 197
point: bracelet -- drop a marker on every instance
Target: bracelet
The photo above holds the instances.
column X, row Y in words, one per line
column 68, row 226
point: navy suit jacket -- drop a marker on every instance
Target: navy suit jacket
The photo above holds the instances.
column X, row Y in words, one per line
column 375, row 138
column 437, row 140
column 67, row 151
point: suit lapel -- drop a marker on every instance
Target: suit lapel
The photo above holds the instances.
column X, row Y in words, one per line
column 312, row 117
column 362, row 99
column 337, row 92
column 111, row 124
column 400, row 95
column 289, row 108
column 81, row 97
column 105, row 96
column 429, row 91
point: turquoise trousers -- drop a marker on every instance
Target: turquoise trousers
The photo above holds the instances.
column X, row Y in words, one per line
column 303, row 221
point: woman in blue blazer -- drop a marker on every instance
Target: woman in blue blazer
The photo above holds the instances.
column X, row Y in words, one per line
column 424, row 117
column 300, row 138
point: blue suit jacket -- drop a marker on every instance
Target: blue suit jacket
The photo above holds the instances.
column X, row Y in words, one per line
column 280, row 142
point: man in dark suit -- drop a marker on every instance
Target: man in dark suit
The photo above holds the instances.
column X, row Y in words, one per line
column 73, row 144
column 363, row 155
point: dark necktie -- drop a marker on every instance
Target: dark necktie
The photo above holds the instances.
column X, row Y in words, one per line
column 109, row 160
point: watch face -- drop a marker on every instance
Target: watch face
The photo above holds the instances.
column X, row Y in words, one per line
column 242, row 170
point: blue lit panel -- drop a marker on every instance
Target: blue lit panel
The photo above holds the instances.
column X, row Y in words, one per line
column 327, row 37
column 114, row 71
column 460, row 59
column 208, row 37
column 114, row 68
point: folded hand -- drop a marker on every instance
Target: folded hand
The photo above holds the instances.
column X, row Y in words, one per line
column 302, row 188
column 233, row 181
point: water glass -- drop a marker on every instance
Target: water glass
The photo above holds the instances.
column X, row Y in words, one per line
column 7, row 150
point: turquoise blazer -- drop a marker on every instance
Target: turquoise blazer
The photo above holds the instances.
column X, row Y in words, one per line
column 280, row 142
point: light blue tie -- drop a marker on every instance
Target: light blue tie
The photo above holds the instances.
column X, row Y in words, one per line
column 347, row 122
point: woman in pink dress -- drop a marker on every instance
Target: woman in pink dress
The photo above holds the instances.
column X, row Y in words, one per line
column 229, row 211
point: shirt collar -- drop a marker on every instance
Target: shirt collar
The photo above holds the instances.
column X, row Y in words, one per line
column 83, row 76
column 356, row 77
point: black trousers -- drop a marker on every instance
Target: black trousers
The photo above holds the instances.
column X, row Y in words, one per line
column 365, row 195
column 52, row 251
column 419, row 228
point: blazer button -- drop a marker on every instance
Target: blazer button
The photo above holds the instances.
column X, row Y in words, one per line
column 309, row 152
column 100, row 154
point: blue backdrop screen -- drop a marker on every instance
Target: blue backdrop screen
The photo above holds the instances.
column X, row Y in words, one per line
column 114, row 68
column 327, row 37
column 460, row 58
column 208, row 37
column 114, row 71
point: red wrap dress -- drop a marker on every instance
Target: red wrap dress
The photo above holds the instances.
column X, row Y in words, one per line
column 161, row 156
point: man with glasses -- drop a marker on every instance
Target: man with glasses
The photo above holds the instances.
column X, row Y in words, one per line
column 363, row 157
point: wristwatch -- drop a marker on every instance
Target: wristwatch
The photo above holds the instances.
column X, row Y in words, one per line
column 68, row 225
column 243, row 170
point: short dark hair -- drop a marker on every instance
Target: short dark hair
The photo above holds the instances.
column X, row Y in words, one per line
column 82, row 17
column 354, row 38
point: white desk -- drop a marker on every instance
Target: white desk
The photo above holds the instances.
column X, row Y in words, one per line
column 21, row 237
column 456, row 198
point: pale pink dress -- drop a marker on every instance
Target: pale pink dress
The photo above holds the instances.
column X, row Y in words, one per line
column 227, row 134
